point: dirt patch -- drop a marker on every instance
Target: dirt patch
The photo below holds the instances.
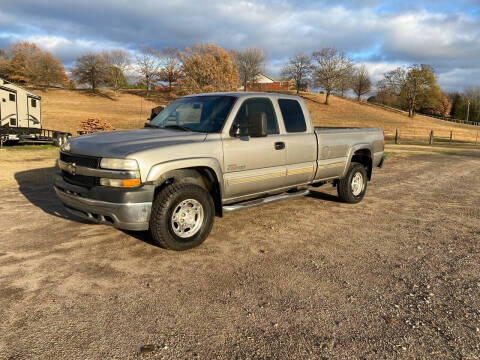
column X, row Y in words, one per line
column 395, row 276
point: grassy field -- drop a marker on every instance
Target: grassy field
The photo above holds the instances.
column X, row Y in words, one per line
column 64, row 109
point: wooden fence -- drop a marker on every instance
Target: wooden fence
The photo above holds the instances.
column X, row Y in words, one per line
column 429, row 137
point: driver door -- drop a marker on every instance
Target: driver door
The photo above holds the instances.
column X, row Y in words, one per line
column 254, row 165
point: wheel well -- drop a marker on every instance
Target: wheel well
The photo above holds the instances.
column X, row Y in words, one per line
column 364, row 157
column 201, row 176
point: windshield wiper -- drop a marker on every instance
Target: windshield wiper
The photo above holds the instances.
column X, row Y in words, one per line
column 179, row 127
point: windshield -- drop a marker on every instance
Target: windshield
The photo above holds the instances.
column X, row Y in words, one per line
column 197, row 113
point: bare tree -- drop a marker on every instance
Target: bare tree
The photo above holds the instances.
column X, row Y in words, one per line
column 149, row 64
column 171, row 69
column 119, row 61
column 249, row 64
column 345, row 84
column 92, row 69
column 299, row 68
column 331, row 68
column 415, row 86
column 361, row 83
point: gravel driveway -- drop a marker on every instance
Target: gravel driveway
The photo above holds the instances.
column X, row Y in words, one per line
column 396, row 276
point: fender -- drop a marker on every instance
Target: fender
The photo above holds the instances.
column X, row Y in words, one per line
column 351, row 151
column 161, row 168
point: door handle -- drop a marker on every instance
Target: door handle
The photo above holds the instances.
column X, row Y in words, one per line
column 279, row 145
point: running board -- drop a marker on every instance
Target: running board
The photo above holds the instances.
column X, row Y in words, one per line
column 256, row 202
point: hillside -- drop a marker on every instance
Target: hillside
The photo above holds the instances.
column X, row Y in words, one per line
column 64, row 109
column 347, row 112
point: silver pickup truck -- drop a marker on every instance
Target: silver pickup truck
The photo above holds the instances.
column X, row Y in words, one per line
column 206, row 154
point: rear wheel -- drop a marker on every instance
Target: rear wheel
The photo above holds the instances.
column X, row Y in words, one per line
column 351, row 189
column 182, row 216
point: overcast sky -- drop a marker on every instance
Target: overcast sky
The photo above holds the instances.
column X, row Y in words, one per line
column 381, row 34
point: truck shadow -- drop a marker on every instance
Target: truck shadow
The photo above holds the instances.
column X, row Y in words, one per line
column 37, row 187
column 323, row 196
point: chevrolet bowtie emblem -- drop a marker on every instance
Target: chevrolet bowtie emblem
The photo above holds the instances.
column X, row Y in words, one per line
column 72, row 168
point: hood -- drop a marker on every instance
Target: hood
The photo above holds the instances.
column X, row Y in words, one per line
column 122, row 143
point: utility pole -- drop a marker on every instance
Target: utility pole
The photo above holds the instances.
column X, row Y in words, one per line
column 468, row 109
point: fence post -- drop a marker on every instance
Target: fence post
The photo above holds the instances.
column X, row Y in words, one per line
column 451, row 136
column 396, row 136
column 430, row 141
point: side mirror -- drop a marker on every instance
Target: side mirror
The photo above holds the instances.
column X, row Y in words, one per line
column 235, row 130
column 257, row 124
column 155, row 111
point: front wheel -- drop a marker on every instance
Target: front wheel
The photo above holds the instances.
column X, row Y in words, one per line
column 351, row 189
column 182, row 216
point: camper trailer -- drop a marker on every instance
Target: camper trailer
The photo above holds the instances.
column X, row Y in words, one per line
column 21, row 117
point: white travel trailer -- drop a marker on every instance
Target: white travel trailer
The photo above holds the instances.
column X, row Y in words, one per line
column 21, row 116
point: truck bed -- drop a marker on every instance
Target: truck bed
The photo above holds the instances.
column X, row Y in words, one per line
column 338, row 129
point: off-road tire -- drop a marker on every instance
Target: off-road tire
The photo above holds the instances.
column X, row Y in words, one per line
column 163, row 206
column 344, row 187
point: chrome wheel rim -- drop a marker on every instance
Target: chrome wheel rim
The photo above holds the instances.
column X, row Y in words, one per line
column 187, row 218
column 358, row 184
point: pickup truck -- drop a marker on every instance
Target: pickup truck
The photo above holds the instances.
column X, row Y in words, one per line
column 210, row 153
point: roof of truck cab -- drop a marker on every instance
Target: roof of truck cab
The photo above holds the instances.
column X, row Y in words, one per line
column 245, row 93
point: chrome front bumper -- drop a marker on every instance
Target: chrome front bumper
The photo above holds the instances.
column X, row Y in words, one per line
column 128, row 216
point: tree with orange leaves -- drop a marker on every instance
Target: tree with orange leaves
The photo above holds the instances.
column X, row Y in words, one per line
column 207, row 68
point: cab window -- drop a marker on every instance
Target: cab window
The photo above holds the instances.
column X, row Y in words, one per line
column 292, row 115
column 258, row 105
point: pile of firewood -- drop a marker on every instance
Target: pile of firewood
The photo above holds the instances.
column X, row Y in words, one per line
column 93, row 125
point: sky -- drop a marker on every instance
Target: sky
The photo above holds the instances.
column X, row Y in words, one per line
column 380, row 34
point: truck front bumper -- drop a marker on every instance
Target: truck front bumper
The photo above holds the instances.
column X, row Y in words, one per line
column 123, row 215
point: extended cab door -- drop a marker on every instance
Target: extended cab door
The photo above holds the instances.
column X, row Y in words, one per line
column 300, row 142
column 253, row 165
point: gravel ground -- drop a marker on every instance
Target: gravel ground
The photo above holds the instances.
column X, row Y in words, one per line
column 396, row 276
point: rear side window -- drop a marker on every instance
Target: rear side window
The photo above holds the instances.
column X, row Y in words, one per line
column 261, row 105
column 11, row 97
column 292, row 115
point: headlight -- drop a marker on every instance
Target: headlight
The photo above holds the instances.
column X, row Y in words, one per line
column 119, row 164
column 65, row 146
column 120, row 182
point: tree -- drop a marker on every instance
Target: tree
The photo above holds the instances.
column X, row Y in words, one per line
column 149, row 64
column 415, row 86
column 25, row 62
column 458, row 106
column 361, row 83
column 18, row 66
column 472, row 96
column 332, row 67
column 171, row 68
column 118, row 61
column 47, row 70
column 207, row 68
column 249, row 64
column 299, row 68
column 92, row 69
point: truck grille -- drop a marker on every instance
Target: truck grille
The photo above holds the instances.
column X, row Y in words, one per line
column 81, row 160
column 80, row 180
